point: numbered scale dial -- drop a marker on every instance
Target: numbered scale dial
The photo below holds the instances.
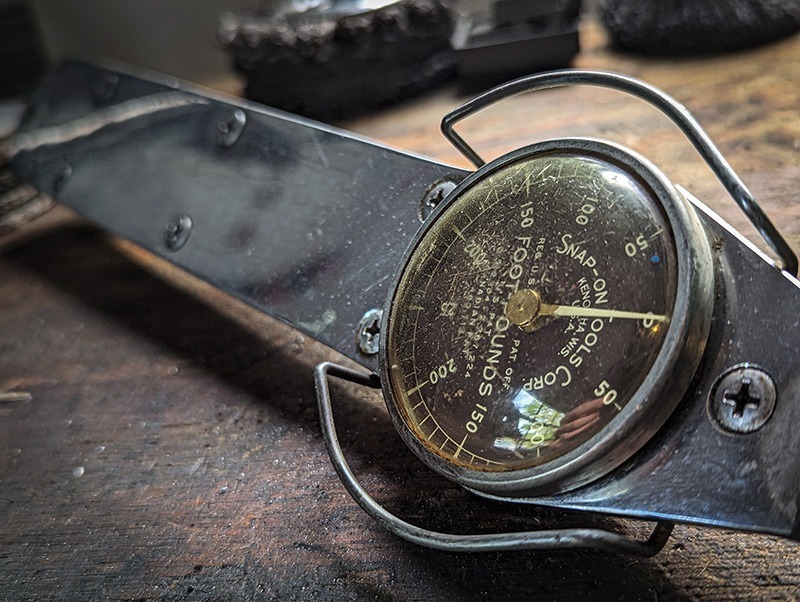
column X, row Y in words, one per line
column 537, row 314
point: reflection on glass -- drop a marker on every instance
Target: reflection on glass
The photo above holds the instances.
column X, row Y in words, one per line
column 537, row 424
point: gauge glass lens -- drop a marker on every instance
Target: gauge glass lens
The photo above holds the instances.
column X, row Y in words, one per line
column 531, row 311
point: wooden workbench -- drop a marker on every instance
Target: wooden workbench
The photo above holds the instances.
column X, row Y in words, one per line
column 169, row 446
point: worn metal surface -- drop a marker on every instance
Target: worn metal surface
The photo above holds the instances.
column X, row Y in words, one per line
column 300, row 220
column 692, row 470
column 168, row 449
column 318, row 262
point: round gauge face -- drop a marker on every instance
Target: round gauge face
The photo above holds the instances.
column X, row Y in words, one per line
column 531, row 311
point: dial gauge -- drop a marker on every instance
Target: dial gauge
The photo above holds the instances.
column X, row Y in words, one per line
column 533, row 310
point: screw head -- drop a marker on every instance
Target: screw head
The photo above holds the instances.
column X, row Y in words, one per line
column 176, row 231
column 743, row 399
column 368, row 334
column 435, row 195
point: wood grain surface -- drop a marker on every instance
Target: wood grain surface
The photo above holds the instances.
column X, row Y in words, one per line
column 159, row 440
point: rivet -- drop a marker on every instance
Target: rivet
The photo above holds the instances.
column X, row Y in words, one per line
column 230, row 128
column 176, row 231
column 105, row 87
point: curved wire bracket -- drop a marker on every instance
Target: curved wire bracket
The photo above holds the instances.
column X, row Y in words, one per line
column 676, row 112
column 545, row 539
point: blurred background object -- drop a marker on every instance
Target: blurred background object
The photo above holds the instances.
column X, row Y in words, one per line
column 177, row 37
column 689, row 27
column 504, row 39
column 21, row 59
column 22, row 64
column 338, row 58
column 327, row 59
column 333, row 59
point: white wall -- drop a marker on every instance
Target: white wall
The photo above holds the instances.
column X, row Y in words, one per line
column 177, row 37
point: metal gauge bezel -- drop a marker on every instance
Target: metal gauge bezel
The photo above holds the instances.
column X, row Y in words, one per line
column 663, row 387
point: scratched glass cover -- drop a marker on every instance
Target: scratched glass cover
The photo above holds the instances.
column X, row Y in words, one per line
column 531, row 311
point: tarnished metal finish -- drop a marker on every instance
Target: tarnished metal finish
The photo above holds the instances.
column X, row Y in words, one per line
column 284, row 210
column 694, row 472
column 309, row 224
column 645, row 407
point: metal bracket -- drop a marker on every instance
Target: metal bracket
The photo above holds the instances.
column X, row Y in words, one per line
column 545, row 539
column 670, row 107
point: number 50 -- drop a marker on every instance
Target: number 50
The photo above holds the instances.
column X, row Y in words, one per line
column 605, row 391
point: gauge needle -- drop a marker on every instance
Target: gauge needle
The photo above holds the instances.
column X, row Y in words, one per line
column 526, row 305
column 593, row 312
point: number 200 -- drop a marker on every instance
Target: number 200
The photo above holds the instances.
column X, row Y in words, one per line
column 442, row 371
